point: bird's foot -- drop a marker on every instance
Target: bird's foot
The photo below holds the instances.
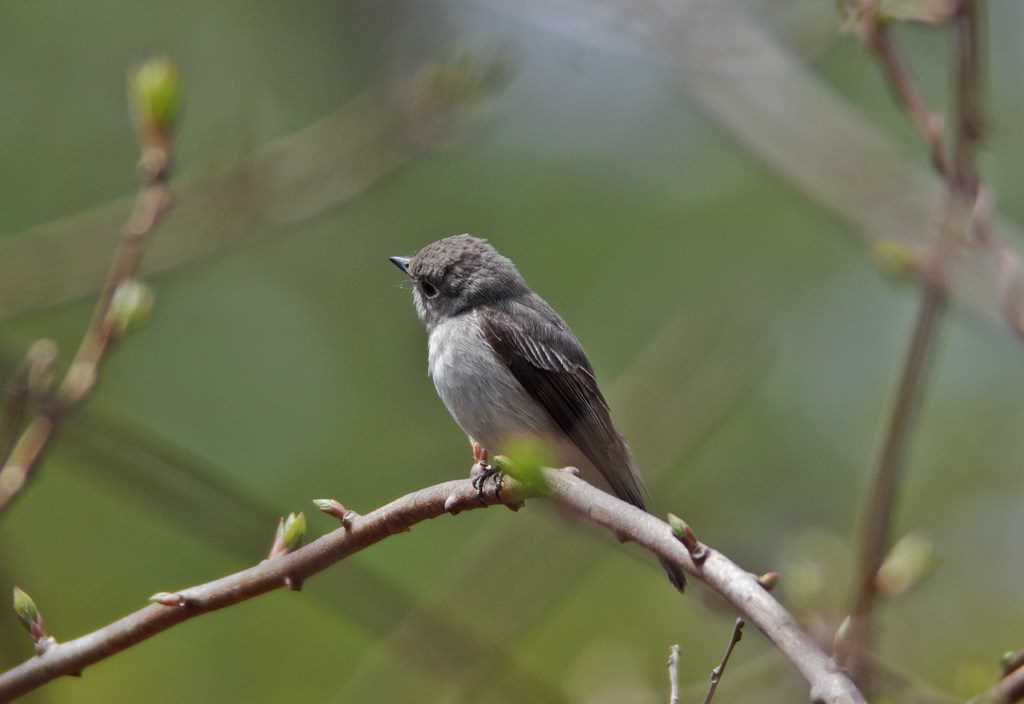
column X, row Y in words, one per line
column 482, row 471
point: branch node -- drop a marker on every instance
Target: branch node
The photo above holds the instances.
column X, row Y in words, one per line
column 45, row 644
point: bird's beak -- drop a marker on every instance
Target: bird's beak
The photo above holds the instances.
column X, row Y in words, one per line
column 401, row 262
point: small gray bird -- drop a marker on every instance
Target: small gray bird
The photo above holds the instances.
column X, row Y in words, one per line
column 506, row 365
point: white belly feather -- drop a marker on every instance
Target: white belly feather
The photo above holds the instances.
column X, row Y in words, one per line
column 482, row 395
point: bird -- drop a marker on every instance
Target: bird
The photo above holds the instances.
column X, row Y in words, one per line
column 506, row 366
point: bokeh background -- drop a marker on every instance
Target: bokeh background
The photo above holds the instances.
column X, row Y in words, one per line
column 746, row 339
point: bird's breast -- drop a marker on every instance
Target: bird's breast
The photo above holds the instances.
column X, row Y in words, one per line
column 480, row 392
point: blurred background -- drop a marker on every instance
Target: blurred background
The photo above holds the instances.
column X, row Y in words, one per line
column 692, row 188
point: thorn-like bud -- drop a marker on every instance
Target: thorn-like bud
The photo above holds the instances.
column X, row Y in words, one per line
column 28, row 614
column 332, row 507
column 841, row 643
column 155, row 90
column 168, row 599
column 130, row 306
column 451, row 504
column 906, row 565
column 685, row 535
column 768, row 580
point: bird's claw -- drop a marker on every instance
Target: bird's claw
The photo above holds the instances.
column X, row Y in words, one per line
column 483, row 471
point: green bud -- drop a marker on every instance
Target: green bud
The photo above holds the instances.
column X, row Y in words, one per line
column 130, row 306
column 684, row 534
column 294, row 531
column 331, row 507
column 909, row 562
column 525, row 461
column 156, row 95
column 27, row 612
column 1007, row 662
column 680, row 528
column 895, row 258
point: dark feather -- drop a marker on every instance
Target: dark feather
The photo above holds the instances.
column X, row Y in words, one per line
column 550, row 364
column 548, row 361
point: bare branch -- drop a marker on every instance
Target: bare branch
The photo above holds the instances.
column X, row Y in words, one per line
column 736, row 585
column 961, row 204
column 928, row 124
column 1008, row 690
column 673, row 674
column 153, row 202
column 716, row 674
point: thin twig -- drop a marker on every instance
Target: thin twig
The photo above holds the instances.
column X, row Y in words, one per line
column 716, row 674
column 673, row 674
column 154, row 201
column 736, row 585
column 928, row 124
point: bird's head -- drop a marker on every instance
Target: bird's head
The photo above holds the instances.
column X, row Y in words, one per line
column 455, row 274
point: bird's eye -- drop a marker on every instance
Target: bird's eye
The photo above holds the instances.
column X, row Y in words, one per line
column 429, row 290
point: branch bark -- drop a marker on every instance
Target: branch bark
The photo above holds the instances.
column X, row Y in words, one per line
column 827, row 684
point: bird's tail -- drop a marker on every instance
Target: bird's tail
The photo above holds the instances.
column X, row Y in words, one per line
column 628, row 485
column 675, row 574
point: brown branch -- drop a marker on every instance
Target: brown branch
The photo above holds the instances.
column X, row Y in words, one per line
column 881, row 501
column 740, row 588
column 153, row 202
column 962, row 188
column 928, row 124
column 716, row 674
column 1008, row 690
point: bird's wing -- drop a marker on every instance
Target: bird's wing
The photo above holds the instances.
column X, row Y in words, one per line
column 548, row 361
